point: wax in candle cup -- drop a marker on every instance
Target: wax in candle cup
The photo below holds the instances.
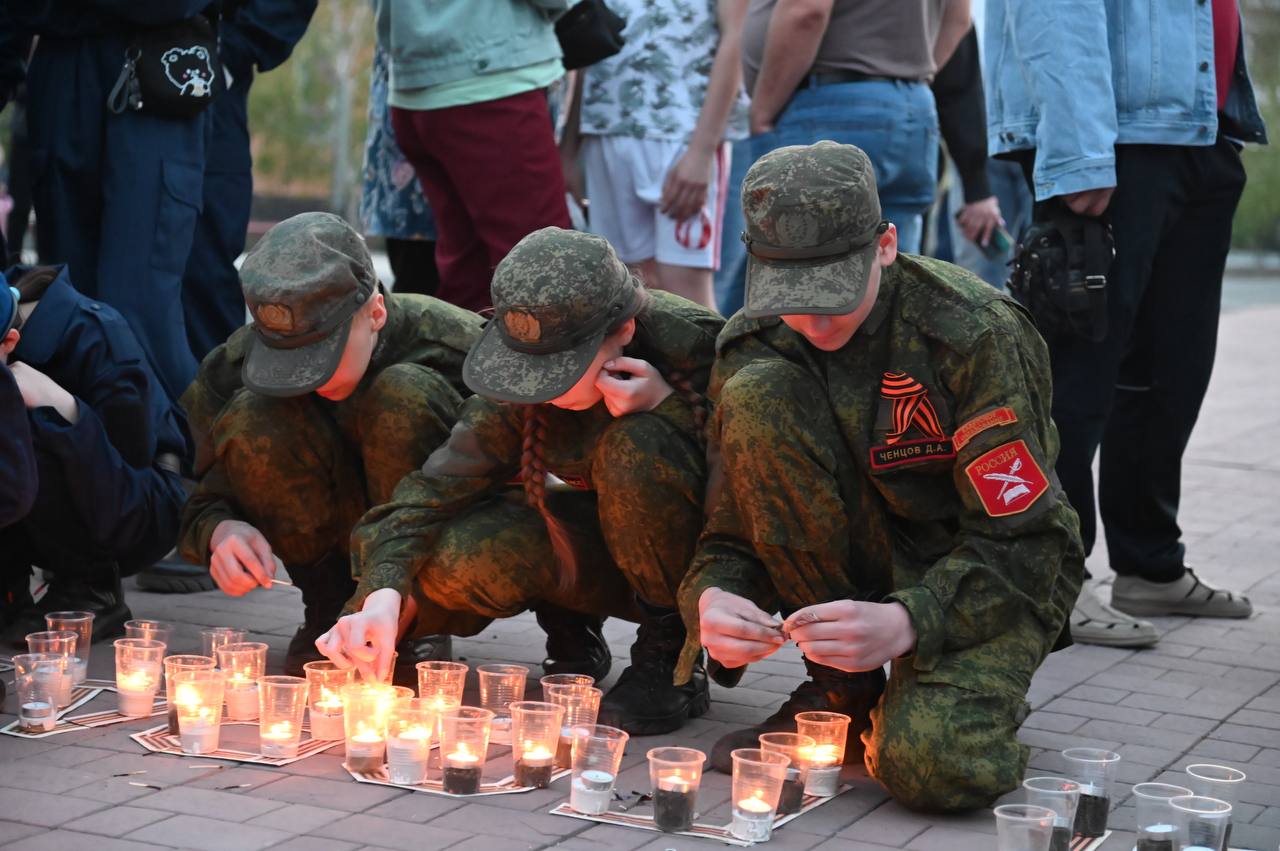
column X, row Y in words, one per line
column 581, row 706
column 219, row 636
column 534, row 767
column 173, row 665
column 62, row 642
column 1060, row 795
column 1023, row 826
column 535, row 736
column 81, row 623
column 1094, row 770
column 409, row 731
column 757, row 784
column 366, row 710
column 675, row 775
column 39, row 678
column 282, row 703
column 198, row 694
column 138, row 670
column 464, row 746
column 796, row 748
column 245, row 662
column 150, row 630
column 597, row 755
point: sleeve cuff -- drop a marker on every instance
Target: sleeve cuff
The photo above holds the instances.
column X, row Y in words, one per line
column 976, row 186
column 383, row 576
column 1080, row 176
column 926, row 617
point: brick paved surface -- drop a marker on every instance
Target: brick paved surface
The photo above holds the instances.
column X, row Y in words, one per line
column 1209, row 692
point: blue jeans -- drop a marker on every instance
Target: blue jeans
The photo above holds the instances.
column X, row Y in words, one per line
column 895, row 123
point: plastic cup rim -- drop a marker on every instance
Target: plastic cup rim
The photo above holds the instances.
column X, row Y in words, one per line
column 684, row 756
column 1045, row 789
column 1226, row 768
column 1150, row 786
column 1091, row 756
column 1024, row 813
column 1184, row 803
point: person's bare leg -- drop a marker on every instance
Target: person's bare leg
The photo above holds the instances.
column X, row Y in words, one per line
column 693, row 284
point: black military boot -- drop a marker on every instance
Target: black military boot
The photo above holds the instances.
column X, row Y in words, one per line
column 326, row 586
column 575, row 643
column 99, row 593
column 645, row 701
column 826, row 690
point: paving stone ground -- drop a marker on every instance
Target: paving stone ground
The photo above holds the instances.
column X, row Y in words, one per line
column 1210, row 691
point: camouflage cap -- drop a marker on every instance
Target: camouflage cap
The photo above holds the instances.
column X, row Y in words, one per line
column 303, row 282
column 812, row 217
column 555, row 296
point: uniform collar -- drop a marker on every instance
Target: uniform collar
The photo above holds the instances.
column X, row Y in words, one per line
column 884, row 300
column 43, row 331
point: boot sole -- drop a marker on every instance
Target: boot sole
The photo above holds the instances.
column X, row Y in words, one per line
column 696, row 708
column 1146, row 608
column 1114, row 640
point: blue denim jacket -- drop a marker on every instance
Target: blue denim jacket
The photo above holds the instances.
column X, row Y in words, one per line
column 1053, row 87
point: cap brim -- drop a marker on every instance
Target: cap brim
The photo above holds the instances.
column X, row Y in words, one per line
column 496, row 372
column 294, row 372
column 778, row 288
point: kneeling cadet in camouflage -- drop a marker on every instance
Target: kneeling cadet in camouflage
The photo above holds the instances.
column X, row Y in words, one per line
column 882, row 474
column 584, row 375
column 312, row 414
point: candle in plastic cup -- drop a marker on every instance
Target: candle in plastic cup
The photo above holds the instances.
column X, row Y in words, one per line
column 797, row 748
column 38, row 679
column 1216, row 781
column 1202, row 822
column 565, row 680
column 62, row 643
column 198, row 702
column 1023, row 827
column 581, row 706
column 441, row 679
column 1156, row 820
column 500, row 686
column 150, row 630
column 1094, row 770
column 675, row 775
column 535, row 734
column 597, row 755
column 830, row 732
column 464, row 746
column 366, row 707
column 1060, row 795
column 214, row 637
column 138, row 673
column 282, row 701
column 172, row 665
column 409, row 731
column 757, row 784
column 245, row 663
column 81, row 623
column 325, row 695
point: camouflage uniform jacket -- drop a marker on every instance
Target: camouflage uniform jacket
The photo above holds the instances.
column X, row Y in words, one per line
column 942, row 400
column 482, row 457
column 419, row 329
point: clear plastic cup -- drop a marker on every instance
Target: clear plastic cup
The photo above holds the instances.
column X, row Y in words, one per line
column 566, row 680
column 1063, row 797
column 214, row 637
column 535, row 734
column 150, row 630
column 409, row 731
column 597, row 755
column 245, row 663
column 1023, row 827
column 62, row 643
column 81, row 623
column 757, row 784
column 282, row 701
column 464, row 747
column 675, row 774
column 172, row 665
column 326, row 681
column 199, row 708
column 1216, row 781
column 1156, row 820
column 39, row 682
column 581, row 706
column 1095, row 770
column 444, row 680
column 795, row 746
column 1202, row 822
column 138, row 672
column 500, row 686
column 366, row 709
column 830, row 732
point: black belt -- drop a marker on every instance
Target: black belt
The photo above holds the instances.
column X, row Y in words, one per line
column 827, row 78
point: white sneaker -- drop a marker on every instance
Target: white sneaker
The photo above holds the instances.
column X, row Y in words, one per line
column 1094, row 622
column 1185, row 596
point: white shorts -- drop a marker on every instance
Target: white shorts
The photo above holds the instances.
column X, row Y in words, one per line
column 624, row 184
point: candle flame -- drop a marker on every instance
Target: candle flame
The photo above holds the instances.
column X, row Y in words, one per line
column 279, row 730
column 329, row 699
column 186, row 695
column 134, row 681
column 534, row 752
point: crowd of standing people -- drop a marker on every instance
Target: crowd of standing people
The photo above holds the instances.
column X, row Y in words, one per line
column 878, row 455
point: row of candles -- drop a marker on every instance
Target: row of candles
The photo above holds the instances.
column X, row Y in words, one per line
column 389, row 725
column 1170, row 817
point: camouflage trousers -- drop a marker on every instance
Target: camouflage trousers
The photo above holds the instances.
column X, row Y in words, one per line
column 938, row 740
column 304, row 470
column 634, row 534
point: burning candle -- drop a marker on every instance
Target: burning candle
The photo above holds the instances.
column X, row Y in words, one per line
column 198, row 704
column 675, row 774
column 464, row 740
column 199, row 734
column 823, row 775
column 366, row 708
column 409, row 742
column 277, row 740
column 137, row 675
column 829, row 731
column 365, row 749
column 283, row 701
column 242, row 698
column 533, row 768
column 462, row 771
column 326, row 681
column 172, row 666
column 535, row 725
column 244, row 663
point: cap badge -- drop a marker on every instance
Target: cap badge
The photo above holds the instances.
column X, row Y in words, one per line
column 277, row 318
column 522, row 326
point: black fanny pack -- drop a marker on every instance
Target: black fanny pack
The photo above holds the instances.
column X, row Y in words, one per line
column 588, row 33
column 172, row 71
column 1060, row 274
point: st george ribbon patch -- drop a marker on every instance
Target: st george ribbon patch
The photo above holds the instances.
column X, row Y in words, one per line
column 1007, row 479
column 982, row 422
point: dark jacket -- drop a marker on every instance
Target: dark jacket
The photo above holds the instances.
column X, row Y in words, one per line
column 18, row 477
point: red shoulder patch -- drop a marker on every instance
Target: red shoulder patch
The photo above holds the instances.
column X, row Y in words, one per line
column 1007, row 479
column 982, row 422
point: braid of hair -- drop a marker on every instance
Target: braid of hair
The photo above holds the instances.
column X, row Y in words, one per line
column 695, row 399
column 533, row 474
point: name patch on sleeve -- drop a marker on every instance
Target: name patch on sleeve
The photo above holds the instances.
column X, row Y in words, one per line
column 982, row 422
column 1007, row 479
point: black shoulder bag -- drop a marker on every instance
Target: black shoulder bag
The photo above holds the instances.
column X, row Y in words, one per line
column 1060, row 274
column 172, row 71
column 589, row 32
